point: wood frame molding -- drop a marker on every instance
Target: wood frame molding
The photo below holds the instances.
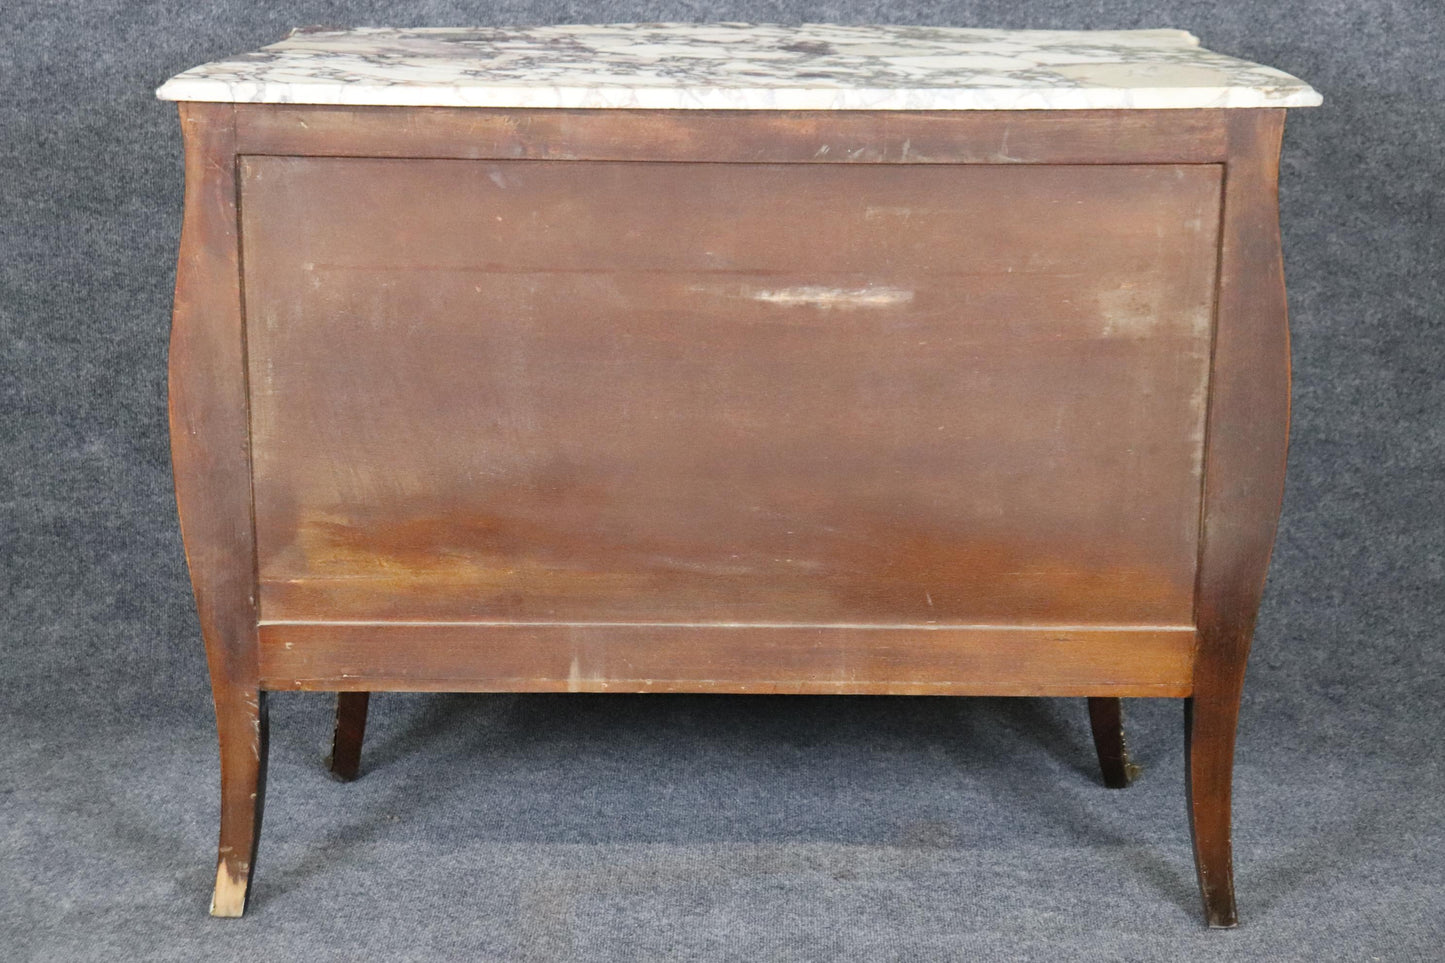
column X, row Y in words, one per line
column 617, row 657
column 738, row 136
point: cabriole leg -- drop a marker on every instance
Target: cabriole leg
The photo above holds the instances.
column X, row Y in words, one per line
column 241, row 722
column 1246, row 437
column 1209, row 726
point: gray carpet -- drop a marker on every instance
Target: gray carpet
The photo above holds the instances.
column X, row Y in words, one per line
column 670, row 827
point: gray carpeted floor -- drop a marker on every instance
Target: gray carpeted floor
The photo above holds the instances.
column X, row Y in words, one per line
column 670, row 827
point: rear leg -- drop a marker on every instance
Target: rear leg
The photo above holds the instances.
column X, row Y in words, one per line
column 350, row 730
column 1106, row 715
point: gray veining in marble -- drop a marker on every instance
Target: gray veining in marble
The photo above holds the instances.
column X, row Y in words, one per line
column 743, row 66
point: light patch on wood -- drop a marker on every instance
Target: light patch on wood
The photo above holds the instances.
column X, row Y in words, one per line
column 818, row 296
column 253, row 703
column 1199, row 410
column 229, row 897
column 1129, row 311
column 884, row 212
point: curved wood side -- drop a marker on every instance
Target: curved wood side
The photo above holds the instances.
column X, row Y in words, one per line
column 1245, row 444
column 210, row 456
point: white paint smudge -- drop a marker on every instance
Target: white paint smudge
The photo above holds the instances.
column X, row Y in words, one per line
column 818, row 296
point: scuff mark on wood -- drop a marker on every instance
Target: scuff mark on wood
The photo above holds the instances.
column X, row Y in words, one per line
column 819, row 296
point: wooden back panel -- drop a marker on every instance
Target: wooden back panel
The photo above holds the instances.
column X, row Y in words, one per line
column 542, row 391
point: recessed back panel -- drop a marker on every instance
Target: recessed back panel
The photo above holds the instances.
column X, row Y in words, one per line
column 846, row 394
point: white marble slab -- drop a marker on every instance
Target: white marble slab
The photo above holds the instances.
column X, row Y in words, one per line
column 743, row 66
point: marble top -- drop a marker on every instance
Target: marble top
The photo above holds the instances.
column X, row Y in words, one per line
column 742, row 66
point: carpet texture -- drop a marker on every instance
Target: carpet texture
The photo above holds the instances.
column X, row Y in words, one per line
column 710, row 828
